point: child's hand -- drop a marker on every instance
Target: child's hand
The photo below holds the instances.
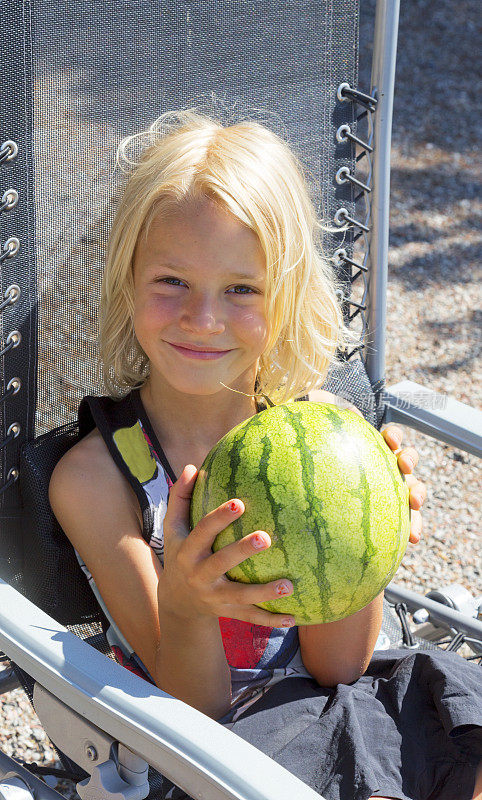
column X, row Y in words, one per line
column 408, row 459
column 193, row 583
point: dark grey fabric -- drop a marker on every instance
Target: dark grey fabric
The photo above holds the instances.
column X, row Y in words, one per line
column 410, row 728
column 16, row 124
column 91, row 73
column 346, row 743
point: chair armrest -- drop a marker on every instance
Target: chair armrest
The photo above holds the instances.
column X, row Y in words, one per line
column 192, row 750
column 437, row 415
column 441, row 614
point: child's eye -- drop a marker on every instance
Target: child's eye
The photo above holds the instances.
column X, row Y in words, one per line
column 176, row 282
column 244, row 287
column 170, row 279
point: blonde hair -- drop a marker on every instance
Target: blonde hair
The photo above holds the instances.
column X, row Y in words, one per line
column 252, row 173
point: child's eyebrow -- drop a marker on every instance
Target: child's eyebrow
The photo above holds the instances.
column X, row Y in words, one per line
column 243, row 275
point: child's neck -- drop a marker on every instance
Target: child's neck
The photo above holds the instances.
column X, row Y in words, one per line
column 197, row 421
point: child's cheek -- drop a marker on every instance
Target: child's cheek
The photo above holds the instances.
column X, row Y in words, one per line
column 253, row 325
column 157, row 308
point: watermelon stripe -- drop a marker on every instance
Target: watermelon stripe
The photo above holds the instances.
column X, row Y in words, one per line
column 364, row 495
column 370, row 551
column 206, row 470
column 313, row 515
column 246, row 568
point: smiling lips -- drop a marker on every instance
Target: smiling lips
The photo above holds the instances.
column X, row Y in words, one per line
column 191, row 351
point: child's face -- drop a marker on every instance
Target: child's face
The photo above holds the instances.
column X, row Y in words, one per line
column 189, row 290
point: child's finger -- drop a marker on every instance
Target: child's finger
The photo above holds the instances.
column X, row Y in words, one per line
column 393, row 436
column 418, row 492
column 202, row 536
column 407, row 460
column 177, row 513
column 415, row 527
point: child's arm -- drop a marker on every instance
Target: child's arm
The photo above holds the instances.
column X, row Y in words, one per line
column 191, row 663
column 339, row 652
column 97, row 510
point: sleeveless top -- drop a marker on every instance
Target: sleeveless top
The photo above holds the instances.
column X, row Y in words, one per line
column 258, row 656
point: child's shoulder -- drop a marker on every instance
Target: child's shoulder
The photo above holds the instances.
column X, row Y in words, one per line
column 90, row 451
column 88, row 473
column 321, row 396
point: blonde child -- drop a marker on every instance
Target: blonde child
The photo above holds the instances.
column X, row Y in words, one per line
column 216, row 294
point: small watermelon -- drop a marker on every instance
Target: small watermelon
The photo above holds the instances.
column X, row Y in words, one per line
column 327, row 488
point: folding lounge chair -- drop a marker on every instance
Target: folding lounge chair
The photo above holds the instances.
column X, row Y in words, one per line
column 76, row 78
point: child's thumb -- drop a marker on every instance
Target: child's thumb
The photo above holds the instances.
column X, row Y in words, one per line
column 180, row 493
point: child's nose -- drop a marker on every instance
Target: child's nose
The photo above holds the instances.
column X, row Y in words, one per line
column 202, row 313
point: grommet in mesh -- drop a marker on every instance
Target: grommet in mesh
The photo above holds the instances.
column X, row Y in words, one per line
column 344, row 133
column 8, row 150
column 12, row 433
column 13, row 386
column 340, row 256
column 11, row 478
column 14, row 429
column 343, row 175
column 10, row 247
column 12, row 293
column 13, row 340
column 342, row 216
column 339, row 92
column 348, row 95
column 9, row 200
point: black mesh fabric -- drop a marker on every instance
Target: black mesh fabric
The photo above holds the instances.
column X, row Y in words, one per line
column 350, row 380
column 79, row 76
column 82, row 85
column 52, row 577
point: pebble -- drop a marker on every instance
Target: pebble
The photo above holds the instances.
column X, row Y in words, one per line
column 433, row 325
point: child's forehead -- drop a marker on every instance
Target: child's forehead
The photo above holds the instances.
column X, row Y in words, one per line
column 201, row 231
column 166, row 214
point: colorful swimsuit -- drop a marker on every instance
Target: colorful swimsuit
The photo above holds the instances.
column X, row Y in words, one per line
column 258, row 656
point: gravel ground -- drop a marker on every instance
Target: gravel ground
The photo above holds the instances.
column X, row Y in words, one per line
column 434, row 329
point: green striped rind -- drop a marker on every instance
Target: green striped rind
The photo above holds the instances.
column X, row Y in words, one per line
column 326, row 487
